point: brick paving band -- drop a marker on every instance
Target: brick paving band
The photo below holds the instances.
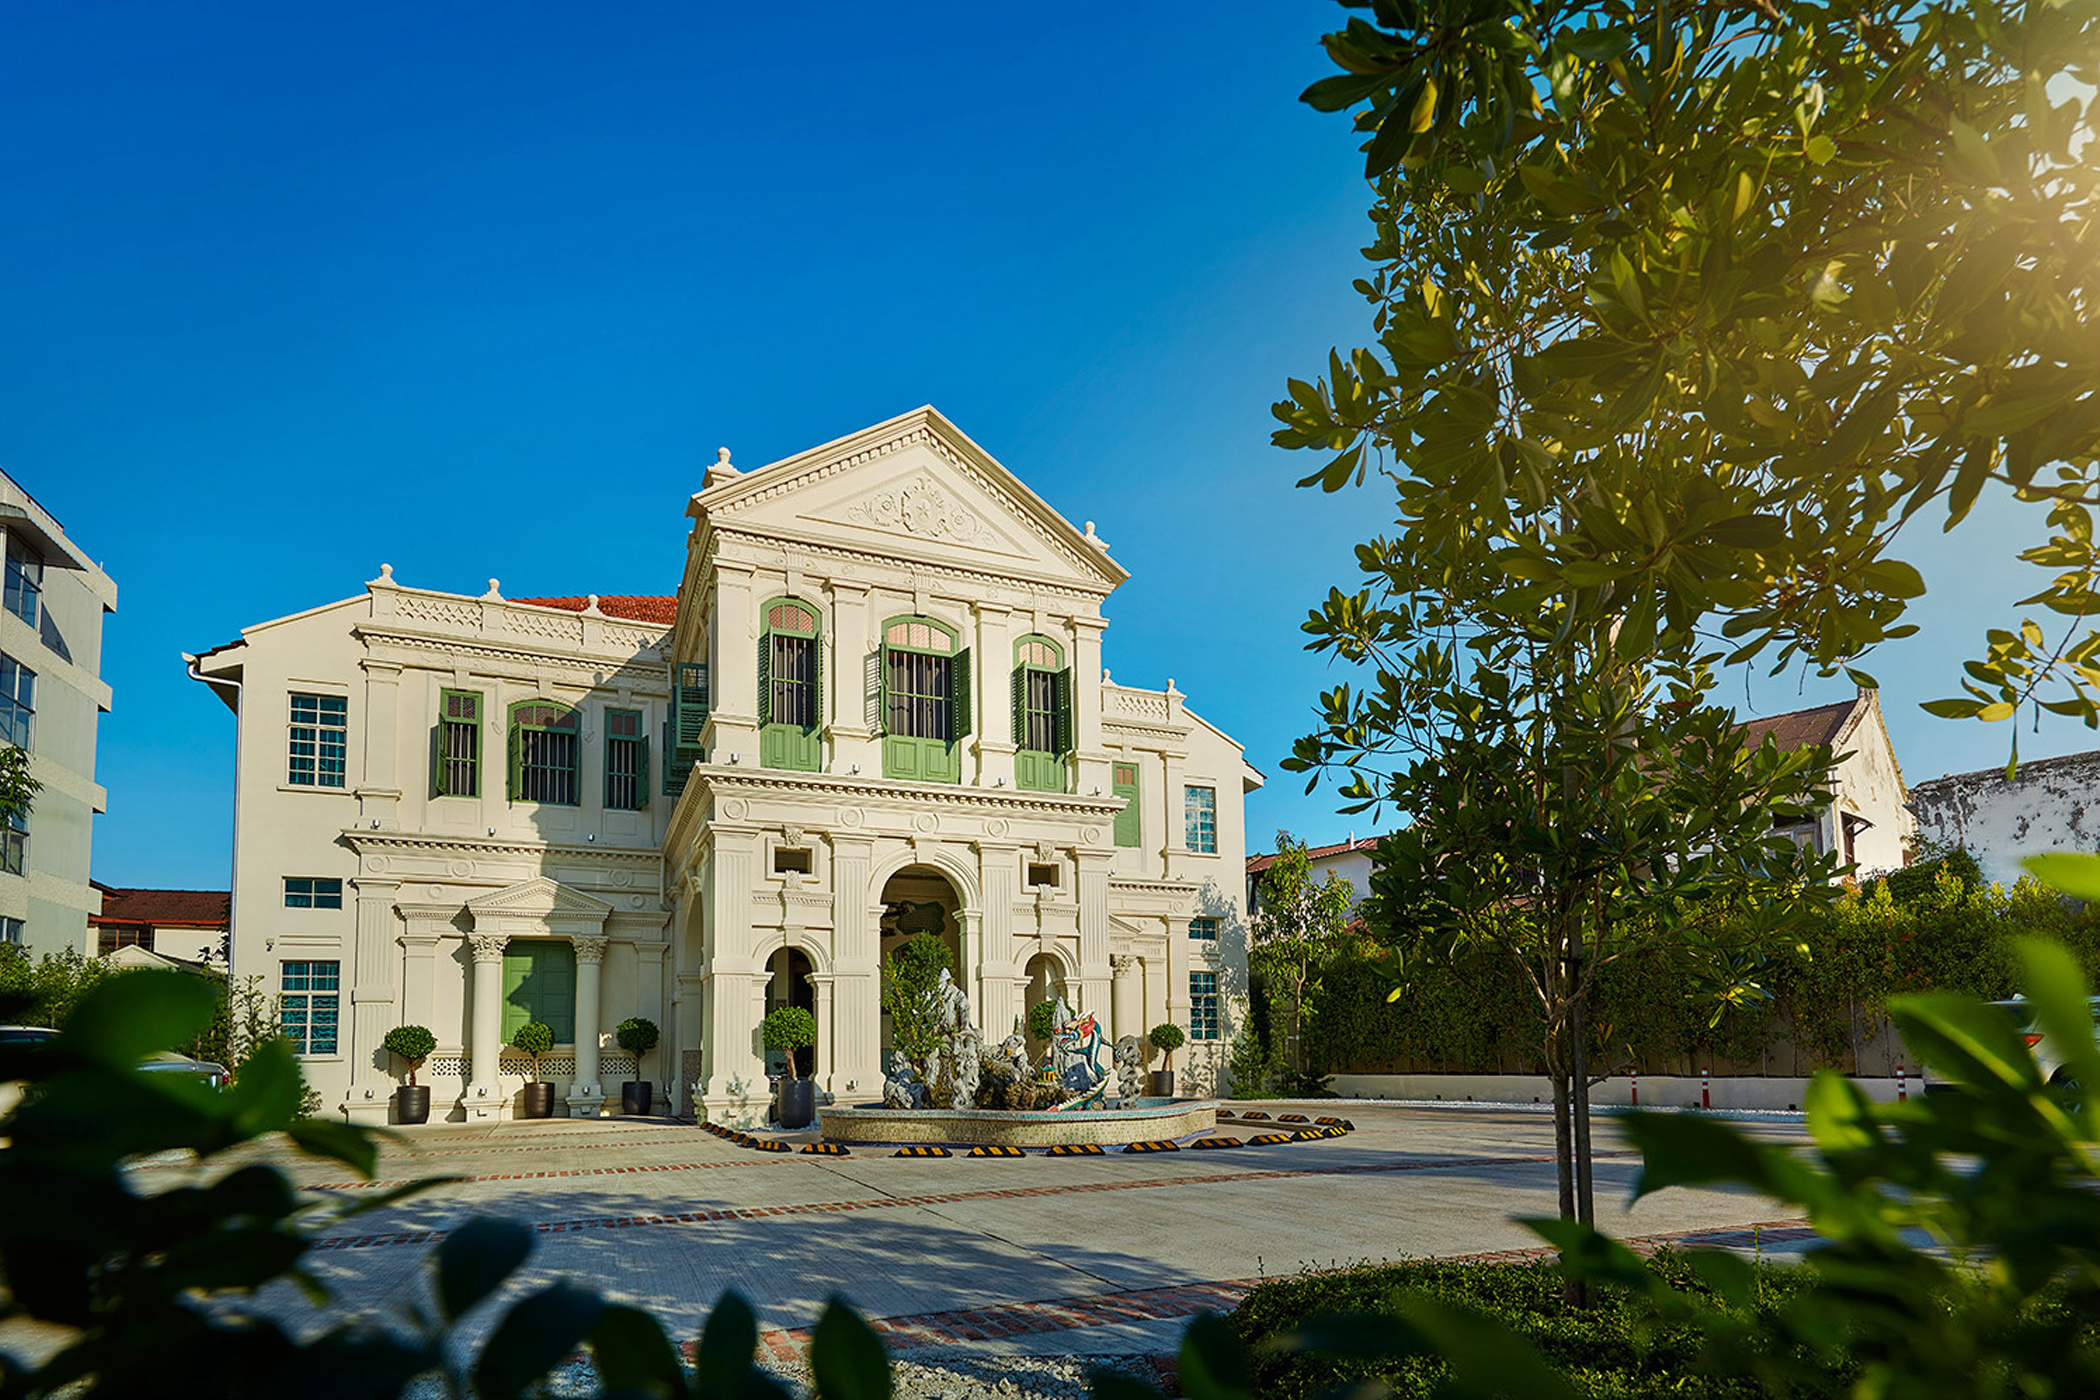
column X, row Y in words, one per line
column 705, row 1217
column 790, row 1344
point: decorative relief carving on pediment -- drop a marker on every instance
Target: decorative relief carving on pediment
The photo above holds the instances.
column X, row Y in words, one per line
column 919, row 508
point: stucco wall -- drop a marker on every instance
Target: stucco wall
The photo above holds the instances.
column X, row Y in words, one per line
column 2052, row 804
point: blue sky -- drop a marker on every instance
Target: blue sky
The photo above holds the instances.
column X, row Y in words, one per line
column 533, row 263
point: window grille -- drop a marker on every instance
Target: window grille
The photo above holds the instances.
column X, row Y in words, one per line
column 793, row 673
column 922, row 635
column 309, row 1005
column 11, row 931
column 17, row 701
column 545, row 742
column 459, row 744
column 320, row 741
column 1203, row 930
column 307, row 892
column 626, row 761
column 1202, row 812
column 23, row 590
column 921, row 693
column 14, row 844
column 1203, row 1006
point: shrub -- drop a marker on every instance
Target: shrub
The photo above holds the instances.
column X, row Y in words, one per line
column 534, row 1039
column 1042, row 1019
column 1167, row 1037
column 412, row 1044
column 789, row 1028
column 46, row 989
column 1615, row 1347
column 637, row 1035
column 911, row 979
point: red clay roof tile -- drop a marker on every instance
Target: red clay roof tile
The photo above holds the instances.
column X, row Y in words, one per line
column 635, row 607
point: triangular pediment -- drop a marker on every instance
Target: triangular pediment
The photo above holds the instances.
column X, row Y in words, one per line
column 540, row 896
column 916, row 488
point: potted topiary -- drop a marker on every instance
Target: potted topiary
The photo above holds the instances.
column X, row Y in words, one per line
column 535, row 1040
column 637, row 1035
column 792, row 1029
column 411, row 1044
column 1168, row 1037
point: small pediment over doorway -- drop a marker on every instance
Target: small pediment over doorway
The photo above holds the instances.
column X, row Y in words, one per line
column 541, row 901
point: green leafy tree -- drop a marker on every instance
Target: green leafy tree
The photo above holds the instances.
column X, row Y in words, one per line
column 637, row 1035
column 1166, row 1037
column 911, row 980
column 412, row 1045
column 18, row 789
column 1042, row 1019
column 1683, row 311
column 1302, row 925
column 534, row 1038
column 791, row 1029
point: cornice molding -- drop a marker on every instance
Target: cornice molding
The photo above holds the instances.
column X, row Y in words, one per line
column 972, row 581
column 367, row 842
column 725, row 780
column 640, row 664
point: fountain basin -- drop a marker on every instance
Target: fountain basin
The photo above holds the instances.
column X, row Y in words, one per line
column 1147, row 1121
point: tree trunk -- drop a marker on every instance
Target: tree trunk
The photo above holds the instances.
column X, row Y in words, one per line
column 1579, row 1107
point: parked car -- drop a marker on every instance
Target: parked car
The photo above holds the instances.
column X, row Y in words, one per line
column 2046, row 1053
column 212, row 1076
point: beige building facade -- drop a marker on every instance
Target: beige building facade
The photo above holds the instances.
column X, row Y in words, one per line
column 875, row 707
column 53, row 600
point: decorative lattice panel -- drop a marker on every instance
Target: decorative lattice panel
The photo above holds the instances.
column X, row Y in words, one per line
column 610, row 1066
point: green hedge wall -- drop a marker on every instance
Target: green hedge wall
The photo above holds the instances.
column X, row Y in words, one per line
column 1941, row 928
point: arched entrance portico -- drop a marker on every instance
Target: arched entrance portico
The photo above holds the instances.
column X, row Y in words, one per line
column 921, row 901
column 789, row 985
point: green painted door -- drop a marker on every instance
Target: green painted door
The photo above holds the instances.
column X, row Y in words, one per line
column 1129, row 823
column 927, row 713
column 539, row 984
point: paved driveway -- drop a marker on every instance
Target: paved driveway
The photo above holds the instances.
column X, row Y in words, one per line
column 1079, row 1254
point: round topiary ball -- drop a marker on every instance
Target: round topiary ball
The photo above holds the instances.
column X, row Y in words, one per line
column 637, row 1035
column 1168, row 1037
column 533, row 1038
column 412, row 1043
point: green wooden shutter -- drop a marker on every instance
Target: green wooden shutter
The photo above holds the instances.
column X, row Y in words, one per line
column 765, row 678
column 641, row 769
column 437, row 756
column 517, row 759
column 876, row 681
column 1020, row 707
column 1064, row 710
column 1129, row 825
column 689, row 706
column 959, row 692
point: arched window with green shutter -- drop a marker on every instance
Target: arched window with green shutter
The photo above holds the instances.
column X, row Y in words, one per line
column 925, row 701
column 546, row 746
column 1042, row 709
column 789, row 655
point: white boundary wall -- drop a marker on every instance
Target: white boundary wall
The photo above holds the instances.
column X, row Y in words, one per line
column 1657, row 1091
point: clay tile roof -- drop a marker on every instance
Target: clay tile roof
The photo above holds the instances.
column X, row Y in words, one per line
column 1257, row 864
column 1797, row 729
column 635, row 607
column 165, row 908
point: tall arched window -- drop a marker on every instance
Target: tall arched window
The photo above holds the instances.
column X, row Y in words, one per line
column 925, row 700
column 1042, row 700
column 788, row 652
column 546, row 742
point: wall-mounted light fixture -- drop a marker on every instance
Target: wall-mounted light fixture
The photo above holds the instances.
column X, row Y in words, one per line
column 856, row 767
column 591, row 837
column 492, row 831
column 734, row 757
column 998, row 782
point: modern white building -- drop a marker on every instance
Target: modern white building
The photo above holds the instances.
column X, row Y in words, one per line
column 52, row 699
column 875, row 706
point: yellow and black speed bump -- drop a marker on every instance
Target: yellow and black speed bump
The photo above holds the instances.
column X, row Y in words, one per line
column 994, row 1149
column 1344, row 1124
column 1311, row 1134
column 1163, row 1145
column 1270, row 1139
column 1251, row 1116
column 1075, row 1149
column 826, row 1149
column 772, row 1145
column 1335, row 1132
column 1217, row 1142
column 926, row 1151
column 1292, row 1118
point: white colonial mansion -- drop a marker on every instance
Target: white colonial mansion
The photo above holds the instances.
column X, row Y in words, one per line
column 876, row 705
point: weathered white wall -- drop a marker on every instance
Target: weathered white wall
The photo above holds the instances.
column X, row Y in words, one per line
column 2052, row 804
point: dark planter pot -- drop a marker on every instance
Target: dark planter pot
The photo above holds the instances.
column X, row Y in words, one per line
column 412, row 1104
column 798, row 1103
column 537, row 1101
column 634, row 1098
column 1163, row 1084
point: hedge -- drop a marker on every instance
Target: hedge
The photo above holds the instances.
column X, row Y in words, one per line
column 1940, row 928
column 1615, row 1348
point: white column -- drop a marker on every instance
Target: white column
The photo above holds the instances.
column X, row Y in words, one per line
column 586, row 1095
column 484, row 1097
column 1126, row 998
column 373, row 1010
column 856, row 1019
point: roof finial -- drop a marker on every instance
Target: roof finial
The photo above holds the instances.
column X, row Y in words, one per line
column 721, row 471
column 495, row 593
column 1095, row 540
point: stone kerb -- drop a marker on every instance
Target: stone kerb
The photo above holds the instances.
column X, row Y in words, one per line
column 982, row 1127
